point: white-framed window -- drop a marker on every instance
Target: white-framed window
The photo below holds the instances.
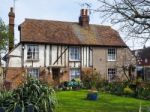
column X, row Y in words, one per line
column 32, row 52
column 74, row 73
column 74, row 53
column 111, row 55
column 33, row 72
column 111, row 74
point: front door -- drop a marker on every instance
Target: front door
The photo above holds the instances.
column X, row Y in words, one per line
column 56, row 75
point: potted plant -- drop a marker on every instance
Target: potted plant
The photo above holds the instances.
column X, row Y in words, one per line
column 92, row 93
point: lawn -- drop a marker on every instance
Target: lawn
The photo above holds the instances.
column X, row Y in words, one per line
column 74, row 101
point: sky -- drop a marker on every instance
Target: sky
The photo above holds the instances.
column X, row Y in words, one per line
column 62, row 10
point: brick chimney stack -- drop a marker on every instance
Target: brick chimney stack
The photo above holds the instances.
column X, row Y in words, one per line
column 11, row 29
column 84, row 18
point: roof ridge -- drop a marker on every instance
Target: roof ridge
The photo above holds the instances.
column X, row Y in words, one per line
column 28, row 19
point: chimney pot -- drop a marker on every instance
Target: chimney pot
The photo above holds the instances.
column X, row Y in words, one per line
column 84, row 12
column 84, row 18
column 11, row 13
column 11, row 9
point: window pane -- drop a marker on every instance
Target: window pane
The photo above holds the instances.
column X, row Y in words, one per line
column 111, row 56
column 32, row 52
column 34, row 72
column 74, row 53
column 75, row 73
column 111, row 74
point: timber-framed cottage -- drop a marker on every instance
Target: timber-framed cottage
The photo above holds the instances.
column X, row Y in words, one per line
column 58, row 51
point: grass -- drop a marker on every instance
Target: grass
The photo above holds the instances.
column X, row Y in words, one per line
column 75, row 101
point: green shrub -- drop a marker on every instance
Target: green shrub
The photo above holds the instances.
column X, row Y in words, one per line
column 143, row 93
column 70, row 85
column 90, row 78
column 136, row 90
column 128, row 91
column 117, row 88
column 74, row 84
column 33, row 92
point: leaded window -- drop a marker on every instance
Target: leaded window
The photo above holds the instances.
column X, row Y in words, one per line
column 111, row 74
column 111, row 54
column 75, row 73
column 33, row 72
column 74, row 53
column 32, row 52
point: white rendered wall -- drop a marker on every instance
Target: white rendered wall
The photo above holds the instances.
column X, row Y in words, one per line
column 15, row 57
column 45, row 53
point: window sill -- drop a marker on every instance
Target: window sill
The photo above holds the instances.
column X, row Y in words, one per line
column 111, row 60
column 32, row 60
column 75, row 60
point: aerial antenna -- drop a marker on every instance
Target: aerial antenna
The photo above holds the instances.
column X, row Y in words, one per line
column 87, row 6
column 14, row 2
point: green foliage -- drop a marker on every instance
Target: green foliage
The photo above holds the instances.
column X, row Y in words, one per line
column 143, row 93
column 117, row 88
column 33, row 92
column 113, row 87
column 90, row 79
column 3, row 36
column 74, row 84
column 128, row 91
column 69, row 85
column 141, row 90
column 5, row 98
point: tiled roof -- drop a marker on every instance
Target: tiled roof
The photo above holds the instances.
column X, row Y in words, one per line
column 70, row 33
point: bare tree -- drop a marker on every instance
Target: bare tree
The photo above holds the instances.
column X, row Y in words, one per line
column 132, row 15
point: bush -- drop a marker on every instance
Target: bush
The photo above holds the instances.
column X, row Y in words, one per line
column 74, row 84
column 136, row 90
column 33, row 92
column 117, row 88
column 69, row 85
column 90, row 78
column 128, row 91
column 143, row 93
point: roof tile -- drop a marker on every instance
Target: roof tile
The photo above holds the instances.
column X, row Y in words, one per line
column 57, row 32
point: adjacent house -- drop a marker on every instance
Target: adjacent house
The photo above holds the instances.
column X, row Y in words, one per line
column 57, row 51
column 143, row 62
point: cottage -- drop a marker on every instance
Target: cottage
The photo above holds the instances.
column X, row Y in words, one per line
column 143, row 62
column 58, row 51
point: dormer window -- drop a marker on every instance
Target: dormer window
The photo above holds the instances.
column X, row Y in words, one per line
column 32, row 52
column 74, row 53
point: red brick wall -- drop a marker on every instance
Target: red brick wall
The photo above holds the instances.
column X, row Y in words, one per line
column 16, row 76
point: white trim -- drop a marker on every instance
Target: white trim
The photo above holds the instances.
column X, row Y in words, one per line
column 79, row 71
column 34, row 75
column 115, row 58
column 115, row 70
column 77, row 49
